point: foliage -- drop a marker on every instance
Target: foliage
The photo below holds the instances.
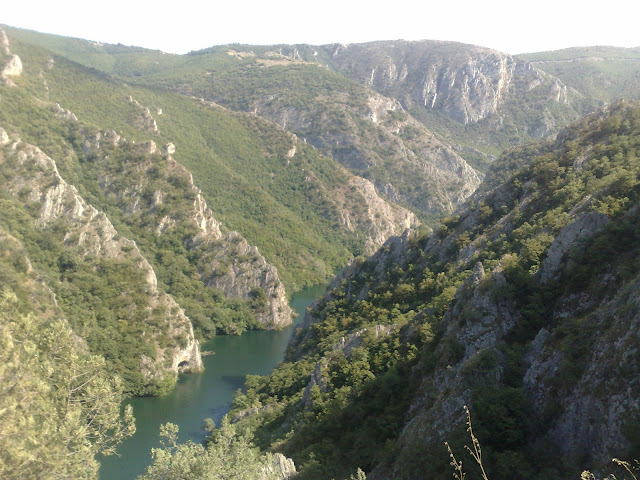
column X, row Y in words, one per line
column 231, row 456
column 58, row 405
column 383, row 331
column 287, row 207
column 602, row 73
column 105, row 298
column 476, row 454
column 289, row 87
column 342, row 384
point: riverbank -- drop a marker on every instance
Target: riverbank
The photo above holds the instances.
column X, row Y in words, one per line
column 205, row 395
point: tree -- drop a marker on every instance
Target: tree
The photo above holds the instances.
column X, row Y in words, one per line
column 58, row 405
column 228, row 456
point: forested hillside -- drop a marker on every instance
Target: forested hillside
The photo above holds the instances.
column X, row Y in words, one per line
column 371, row 135
column 259, row 180
column 135, row 252
column 522, row 306
column 402, row 114
column 602, row 74
column 59, row 406
column 151, row 201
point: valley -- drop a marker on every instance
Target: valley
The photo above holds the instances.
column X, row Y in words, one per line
column 464, row 219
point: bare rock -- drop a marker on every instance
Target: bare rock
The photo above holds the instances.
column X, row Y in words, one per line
column 281, row 466
column 380, row 219
column 12, row 65
column 92, row 235
column 572, row 237
column 12, row 68
column 63, row 114
column 4, row 137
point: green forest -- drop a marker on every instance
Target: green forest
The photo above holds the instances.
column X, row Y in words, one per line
column 476, row 227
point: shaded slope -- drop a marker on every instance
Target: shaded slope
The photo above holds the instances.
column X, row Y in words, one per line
column 509, row 307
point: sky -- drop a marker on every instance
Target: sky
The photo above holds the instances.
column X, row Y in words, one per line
column 185, row 25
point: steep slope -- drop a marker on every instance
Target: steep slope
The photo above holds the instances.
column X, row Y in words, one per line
column 145, row 336
column 223, row 283
column 523, row 306
column 259, row 180
column 369, row 134
column 603, row 74
column 154, row 196
column 476, row 97
column 560, row 289
column 58, row 405
column 143, row 333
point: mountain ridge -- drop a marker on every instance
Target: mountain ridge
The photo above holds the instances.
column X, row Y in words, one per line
column 120, row 215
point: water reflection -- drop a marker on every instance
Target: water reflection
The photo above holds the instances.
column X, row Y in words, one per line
column 206, row 395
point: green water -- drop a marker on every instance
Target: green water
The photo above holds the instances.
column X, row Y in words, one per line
column 198, row 396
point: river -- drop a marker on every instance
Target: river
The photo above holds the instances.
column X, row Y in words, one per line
column 204, row 395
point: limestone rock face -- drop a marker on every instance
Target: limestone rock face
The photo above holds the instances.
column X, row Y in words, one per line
column 378, row 139
column 11, row 65
column 4, row 42
column 225, row 260
column 442, row 395
column 344, row 346
column 281, row 466
column 12, row 68
column 284, row 466
column 238, row 270
column 595, row 411
column 141, row 117
column 384, row 219
column 92, row 235
column 64, row 114
column 580, row 361
column 465, row 83
column 572, row 237
column 4, row 137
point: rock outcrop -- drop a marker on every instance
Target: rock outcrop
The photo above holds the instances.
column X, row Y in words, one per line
column 239, row 270
column 10, row 64
column 465, row 83
column 572, row 237
column 90, row 233
column 596, row 411
column 225, row 260
column 141, row 117
column 380, row 219
column 580, row 370
column 533, row 327
column 281, row 466
column 375, row 137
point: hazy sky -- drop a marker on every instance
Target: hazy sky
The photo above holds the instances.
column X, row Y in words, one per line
column 184, row 25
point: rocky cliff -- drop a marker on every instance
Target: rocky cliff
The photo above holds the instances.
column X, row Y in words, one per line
column 464, row 83
column 569, row 318
column 32, row 179
column 521, row 306
column 12, row 65
column 160, row 197
column 376, row 138
column 154, row 197
column 371, row 135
